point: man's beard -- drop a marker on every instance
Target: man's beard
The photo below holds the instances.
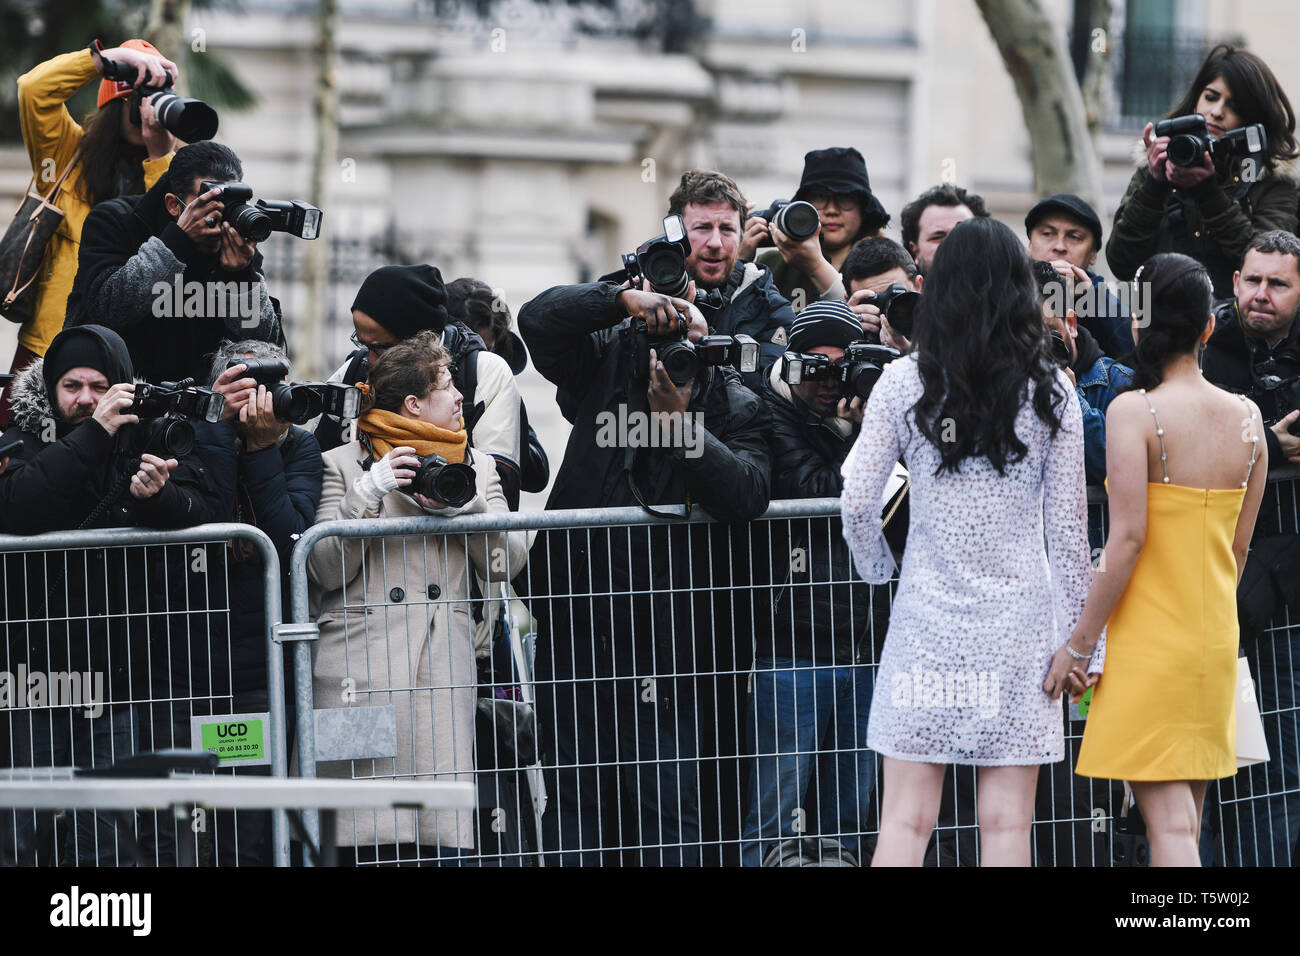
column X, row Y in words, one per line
column 720, row 283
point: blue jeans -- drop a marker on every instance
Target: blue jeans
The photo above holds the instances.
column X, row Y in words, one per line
column 58, row 737
column 801, row 713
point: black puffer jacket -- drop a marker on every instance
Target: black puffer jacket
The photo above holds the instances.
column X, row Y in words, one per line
column 812, row 619
column 130, row 245
column 73, row 604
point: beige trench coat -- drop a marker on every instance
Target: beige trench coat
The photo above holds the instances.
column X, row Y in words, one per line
column 395, row 628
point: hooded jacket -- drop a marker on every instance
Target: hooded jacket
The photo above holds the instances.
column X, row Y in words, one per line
column 68, row 609
column 142, row 276
column 1212, row 222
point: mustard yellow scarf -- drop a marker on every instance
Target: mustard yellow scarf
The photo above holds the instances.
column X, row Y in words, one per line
column 389, row 430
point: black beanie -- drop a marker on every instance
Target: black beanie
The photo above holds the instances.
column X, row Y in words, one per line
column 404, row 299
column 86, row 346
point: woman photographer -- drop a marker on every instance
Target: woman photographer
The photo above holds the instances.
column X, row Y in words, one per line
column 395, row 624
column 992, row 434
column 1185, row 464
column 1211, row 210
column 110, row 156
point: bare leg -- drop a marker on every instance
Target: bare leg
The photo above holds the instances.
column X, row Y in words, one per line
column 909, row 807
column 1172, row 814
column 1006, row 811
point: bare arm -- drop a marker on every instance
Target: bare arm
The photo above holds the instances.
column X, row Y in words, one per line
column 1254, row 494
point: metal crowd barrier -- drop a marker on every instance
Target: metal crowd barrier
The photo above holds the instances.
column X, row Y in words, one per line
column 630, row 720
column 118, row 641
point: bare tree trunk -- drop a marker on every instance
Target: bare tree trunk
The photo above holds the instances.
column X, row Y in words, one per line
column 1098, row 83
column 1065, row 159
column 165, row 29
column 310, row 323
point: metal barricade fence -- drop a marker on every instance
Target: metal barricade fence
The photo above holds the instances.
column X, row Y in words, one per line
column 122, row 641
column 667, row 692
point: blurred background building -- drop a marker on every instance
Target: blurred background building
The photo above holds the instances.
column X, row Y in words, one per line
column 528, row 143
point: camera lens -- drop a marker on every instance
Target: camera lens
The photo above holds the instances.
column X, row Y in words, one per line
column 169, row 438
column 863, row 377
column 901, row 311
column 453, row 485
column 680, row 362
column 250, row 222
column 1186, row 150
column 186, row 119
column 293, row 403
column 798, row 220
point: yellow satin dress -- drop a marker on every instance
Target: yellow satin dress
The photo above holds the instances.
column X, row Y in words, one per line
column 1165, row 707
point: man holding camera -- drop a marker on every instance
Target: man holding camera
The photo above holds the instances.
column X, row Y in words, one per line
column 396, row 303
column 872, row 268
column 169, row 274
column 1066, row 231
column 608, row 667
column 81, row 465
column 814, row 673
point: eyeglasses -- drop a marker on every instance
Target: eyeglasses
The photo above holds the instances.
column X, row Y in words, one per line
column 379, row 348
column 821, row 199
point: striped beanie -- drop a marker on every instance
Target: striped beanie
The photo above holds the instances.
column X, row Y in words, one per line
column 825, row 322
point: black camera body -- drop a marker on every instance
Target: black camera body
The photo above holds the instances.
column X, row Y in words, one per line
column 189, row 120
column 661, row 261
column 898, row 304
column 683, row 359
column 255, row 221
column 300, row 402
column 1189, row 138
column 164, row 411
column 451, row 484
column 799, row 220
column 856, row 373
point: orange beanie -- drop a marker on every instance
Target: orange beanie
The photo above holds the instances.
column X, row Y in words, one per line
column 110, row 90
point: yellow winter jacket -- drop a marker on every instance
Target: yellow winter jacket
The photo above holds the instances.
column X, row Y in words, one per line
column 50, row 133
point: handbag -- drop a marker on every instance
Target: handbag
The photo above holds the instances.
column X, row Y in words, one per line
column 1252, row 748
column 23, row 248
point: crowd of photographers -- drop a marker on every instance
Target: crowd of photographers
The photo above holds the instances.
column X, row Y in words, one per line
column 704, row 372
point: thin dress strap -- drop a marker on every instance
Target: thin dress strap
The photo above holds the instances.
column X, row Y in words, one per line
column 1160, row 433
column 1254, row 440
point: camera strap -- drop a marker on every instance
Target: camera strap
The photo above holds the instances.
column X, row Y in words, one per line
column 640, row 499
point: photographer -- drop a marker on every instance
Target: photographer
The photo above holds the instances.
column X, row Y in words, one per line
column 606, row 667
column 395, row 624
column 927, row 220
column 266, row 473
column 396, row 303
column 1065, row 231
column 81, row 467
column 108, row 156
column 168, row 274
column 1211, row 210
column 1255, row 348
column 1097, row 378
column 813, row 676
column 871, row 267
column 835, row 182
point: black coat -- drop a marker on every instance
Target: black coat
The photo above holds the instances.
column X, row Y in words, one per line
column 119, row 267
column 813, row 619
column 277, row 490
column 73, row 604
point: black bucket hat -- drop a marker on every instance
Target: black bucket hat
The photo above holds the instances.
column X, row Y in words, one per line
column 841, row 169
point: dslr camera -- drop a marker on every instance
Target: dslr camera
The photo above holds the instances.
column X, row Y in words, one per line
column 300, row 402
column 856, row 373
column 682, row 358
column 189, row 120
column 898, row 305
column 798, row 220
column 437, row 478
column 1189, row 138
column 255, row 221
column 661, row 261
column 164, row 411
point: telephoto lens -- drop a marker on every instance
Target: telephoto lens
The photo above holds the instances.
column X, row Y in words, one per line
column 436, row 478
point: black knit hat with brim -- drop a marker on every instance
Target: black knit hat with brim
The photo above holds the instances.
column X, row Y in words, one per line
column 841, row 169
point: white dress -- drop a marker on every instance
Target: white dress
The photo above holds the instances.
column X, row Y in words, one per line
column 978, row 613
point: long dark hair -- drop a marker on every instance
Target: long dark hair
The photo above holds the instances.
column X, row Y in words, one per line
column 1175, row 310
column 1257, row 97
column 980, row 342
column 106, row 156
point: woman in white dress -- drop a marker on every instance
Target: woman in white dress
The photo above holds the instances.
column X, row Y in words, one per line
column 996, row 568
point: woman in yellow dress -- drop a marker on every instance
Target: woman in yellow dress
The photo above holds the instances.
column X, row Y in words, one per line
column 1186, row 466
